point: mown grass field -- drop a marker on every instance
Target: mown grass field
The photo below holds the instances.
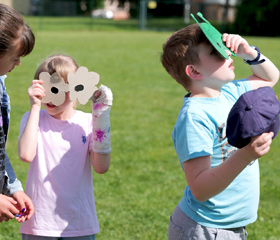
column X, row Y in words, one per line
column 145, row 182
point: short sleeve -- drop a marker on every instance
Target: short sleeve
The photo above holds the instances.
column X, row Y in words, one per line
column 236, row 88
column 192, row 137
column 23, row 123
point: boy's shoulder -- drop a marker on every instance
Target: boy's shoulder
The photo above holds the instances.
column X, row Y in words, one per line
column 203, row 108
column 236, row 88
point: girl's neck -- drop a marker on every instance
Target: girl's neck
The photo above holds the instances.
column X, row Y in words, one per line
column 65, row 115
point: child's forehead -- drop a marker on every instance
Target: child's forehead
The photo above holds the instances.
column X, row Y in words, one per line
column 205, row 47
column 18, row 49
column 208, row 49
column 13, row 53
column 207, row 52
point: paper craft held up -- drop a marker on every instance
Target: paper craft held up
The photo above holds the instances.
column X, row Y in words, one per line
column 55, row 88
column 81, row 86
column 213, row 35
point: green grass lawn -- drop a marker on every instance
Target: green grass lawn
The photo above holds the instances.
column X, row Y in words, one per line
column 145, row 182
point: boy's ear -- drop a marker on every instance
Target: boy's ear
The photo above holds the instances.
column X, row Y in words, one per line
column 192, row 72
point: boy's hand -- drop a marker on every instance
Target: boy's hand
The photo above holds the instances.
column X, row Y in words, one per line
column 23, row 202
column 240, row 46
column 7, row 208
column 36, row 92
column 259, row 146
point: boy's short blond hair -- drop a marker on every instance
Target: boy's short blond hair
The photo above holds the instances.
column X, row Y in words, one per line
column 181, row 49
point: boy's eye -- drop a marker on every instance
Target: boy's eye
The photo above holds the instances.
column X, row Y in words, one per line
column 214, row 51
column 217, row 54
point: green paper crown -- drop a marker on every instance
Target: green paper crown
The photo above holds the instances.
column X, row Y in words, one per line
column 213, row 35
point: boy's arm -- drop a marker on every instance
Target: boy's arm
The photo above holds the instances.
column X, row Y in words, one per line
column 265, row 73
column 27, row 144
column 206, row 182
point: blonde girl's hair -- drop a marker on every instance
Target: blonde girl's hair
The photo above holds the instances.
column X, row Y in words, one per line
column 60, row 64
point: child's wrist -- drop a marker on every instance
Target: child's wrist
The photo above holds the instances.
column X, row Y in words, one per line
column 256, row 58
column 101, row 128
column 101, row 121
column 35, row 107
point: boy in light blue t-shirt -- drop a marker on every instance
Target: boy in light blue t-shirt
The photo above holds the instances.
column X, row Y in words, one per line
column 222, row 194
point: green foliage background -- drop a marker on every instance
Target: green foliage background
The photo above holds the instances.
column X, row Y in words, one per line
column 258, row 18
column 145, row 182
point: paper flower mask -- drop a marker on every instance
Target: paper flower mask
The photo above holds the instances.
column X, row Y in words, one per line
column 81, row 85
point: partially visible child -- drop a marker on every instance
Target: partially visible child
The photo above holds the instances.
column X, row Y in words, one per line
column 16, row 41
column 61, row 144
column 222, row 194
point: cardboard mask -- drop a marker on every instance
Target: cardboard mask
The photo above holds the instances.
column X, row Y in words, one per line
column 55, row 88
column 213, row 35
column 81, row 86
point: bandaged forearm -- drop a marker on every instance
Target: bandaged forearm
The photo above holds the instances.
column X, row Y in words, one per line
column 101, row 121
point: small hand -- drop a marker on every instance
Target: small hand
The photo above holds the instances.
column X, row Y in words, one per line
column 259, row 146
column 104, row 95
column 240, row 46
column 36, row 92
column 8, row 208
column 23, row 202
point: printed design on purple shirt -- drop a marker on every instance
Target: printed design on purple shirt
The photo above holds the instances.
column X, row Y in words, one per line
column 84, row 139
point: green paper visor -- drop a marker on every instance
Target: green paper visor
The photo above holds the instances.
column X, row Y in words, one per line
column 213, row 35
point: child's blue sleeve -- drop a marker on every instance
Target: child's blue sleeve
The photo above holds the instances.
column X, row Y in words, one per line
column 192, row 137
column 237, row 87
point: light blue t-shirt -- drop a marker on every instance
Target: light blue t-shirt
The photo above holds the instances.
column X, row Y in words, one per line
column 200, row 130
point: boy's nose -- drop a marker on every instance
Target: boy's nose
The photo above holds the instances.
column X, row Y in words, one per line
column 228, row 53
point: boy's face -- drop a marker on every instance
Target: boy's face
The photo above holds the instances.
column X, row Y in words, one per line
column 214, row 67
column 9, row 61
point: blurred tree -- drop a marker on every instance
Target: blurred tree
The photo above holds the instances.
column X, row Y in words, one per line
column 258, row 18
column 98, row 3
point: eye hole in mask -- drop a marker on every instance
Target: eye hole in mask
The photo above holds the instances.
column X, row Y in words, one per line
column 54, row 90
column 79, row 88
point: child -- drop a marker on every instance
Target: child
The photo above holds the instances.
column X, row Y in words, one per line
column 60, row 144
column 222, row 194
column 16, row 41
